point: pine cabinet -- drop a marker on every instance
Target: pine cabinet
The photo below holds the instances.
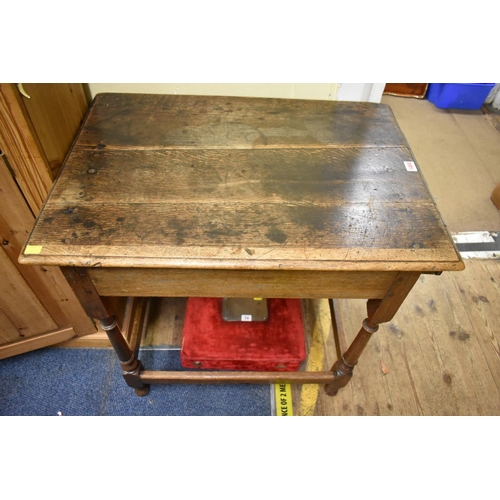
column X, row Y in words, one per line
column 37, row 306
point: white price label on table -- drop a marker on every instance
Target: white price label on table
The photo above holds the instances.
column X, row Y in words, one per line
column 410, row 166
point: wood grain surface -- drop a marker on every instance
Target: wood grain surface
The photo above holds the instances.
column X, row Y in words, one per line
column 14, row 291
column 239, row 283
column 439, row 356
column 241, row 183
column 135, row 121
column 56, row 111
column 48, row 283
column 20, row 144
column 36, row 342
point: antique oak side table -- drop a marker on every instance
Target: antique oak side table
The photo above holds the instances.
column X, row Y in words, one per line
column 179, row 196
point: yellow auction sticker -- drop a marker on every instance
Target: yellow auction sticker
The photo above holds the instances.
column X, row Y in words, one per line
column 283, row 393
column 33, row 249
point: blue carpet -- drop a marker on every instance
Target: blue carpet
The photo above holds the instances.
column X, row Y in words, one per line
column 88, row 382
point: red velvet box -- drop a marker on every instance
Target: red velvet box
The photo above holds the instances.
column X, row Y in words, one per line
column 276, row 344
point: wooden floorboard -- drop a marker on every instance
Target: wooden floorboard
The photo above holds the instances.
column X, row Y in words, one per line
column 441, row 352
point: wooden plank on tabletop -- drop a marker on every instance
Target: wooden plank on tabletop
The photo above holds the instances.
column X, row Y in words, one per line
column 246, row 235
column 175, row 121
column 319, row 175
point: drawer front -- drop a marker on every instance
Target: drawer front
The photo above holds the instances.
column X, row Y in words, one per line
column 236, row 283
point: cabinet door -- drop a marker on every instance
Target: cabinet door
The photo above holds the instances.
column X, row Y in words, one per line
column 56, row 111
column 37, row 306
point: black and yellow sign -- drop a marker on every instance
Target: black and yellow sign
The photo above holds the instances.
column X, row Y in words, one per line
column 283, row 394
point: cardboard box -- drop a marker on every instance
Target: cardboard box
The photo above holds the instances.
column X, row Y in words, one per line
column 495, row 196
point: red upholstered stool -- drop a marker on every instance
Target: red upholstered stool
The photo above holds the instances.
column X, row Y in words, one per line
column 276, row 344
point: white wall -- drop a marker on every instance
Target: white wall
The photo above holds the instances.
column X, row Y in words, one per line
column 366, row 92
column 325, row 91
column 371, row 92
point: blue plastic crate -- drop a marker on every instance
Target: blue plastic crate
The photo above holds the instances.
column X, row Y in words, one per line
column 459, row 95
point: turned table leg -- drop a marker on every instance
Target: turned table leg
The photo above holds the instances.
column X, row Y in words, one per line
column 131, row 366
column 379, row 311
column 98, row 308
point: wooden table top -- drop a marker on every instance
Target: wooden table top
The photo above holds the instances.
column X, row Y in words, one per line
column 240, row 183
